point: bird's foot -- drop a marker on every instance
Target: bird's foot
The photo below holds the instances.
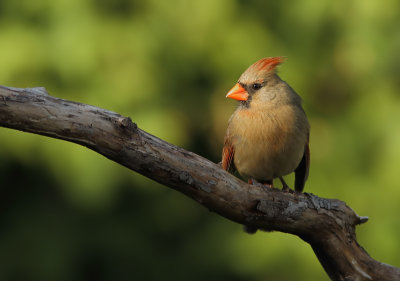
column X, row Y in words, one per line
column 268, row 184
column 261, row 184
column 285, row 187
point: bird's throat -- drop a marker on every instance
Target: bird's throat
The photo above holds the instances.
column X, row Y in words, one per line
column 245, row 103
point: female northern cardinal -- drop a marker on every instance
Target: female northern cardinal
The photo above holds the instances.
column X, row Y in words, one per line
column 267, row 135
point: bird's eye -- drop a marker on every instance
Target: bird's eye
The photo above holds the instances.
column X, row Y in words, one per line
column 256, row 86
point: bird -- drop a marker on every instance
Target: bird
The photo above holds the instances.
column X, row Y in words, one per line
column 268, row 133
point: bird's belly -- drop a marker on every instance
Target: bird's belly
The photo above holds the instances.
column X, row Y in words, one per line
column 268, row 142
column 265, row 160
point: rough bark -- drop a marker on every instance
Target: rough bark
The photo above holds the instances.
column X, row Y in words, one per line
column 328, row 225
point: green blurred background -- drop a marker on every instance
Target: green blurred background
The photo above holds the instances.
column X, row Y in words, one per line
column 67, row 213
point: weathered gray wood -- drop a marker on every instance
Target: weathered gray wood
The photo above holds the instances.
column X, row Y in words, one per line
column 328, row 225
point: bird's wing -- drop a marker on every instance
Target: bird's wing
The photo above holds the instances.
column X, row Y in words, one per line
column 227, row 155
column 301, row 172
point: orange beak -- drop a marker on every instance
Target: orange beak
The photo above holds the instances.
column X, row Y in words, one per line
column 238, row 93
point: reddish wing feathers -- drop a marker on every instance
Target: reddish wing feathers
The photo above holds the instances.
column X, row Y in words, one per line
column 227, row 156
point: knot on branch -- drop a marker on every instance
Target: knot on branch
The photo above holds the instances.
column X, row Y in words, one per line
column 126, row 124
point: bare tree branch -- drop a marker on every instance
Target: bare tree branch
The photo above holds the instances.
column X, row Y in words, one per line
column 328, row 225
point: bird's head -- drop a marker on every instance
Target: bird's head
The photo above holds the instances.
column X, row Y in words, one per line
column 257, row 81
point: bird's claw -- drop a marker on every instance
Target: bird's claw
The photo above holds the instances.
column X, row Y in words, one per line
column 260, row 184
column 287, row 189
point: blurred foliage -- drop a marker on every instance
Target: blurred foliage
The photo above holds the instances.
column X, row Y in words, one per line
column 68, row 213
